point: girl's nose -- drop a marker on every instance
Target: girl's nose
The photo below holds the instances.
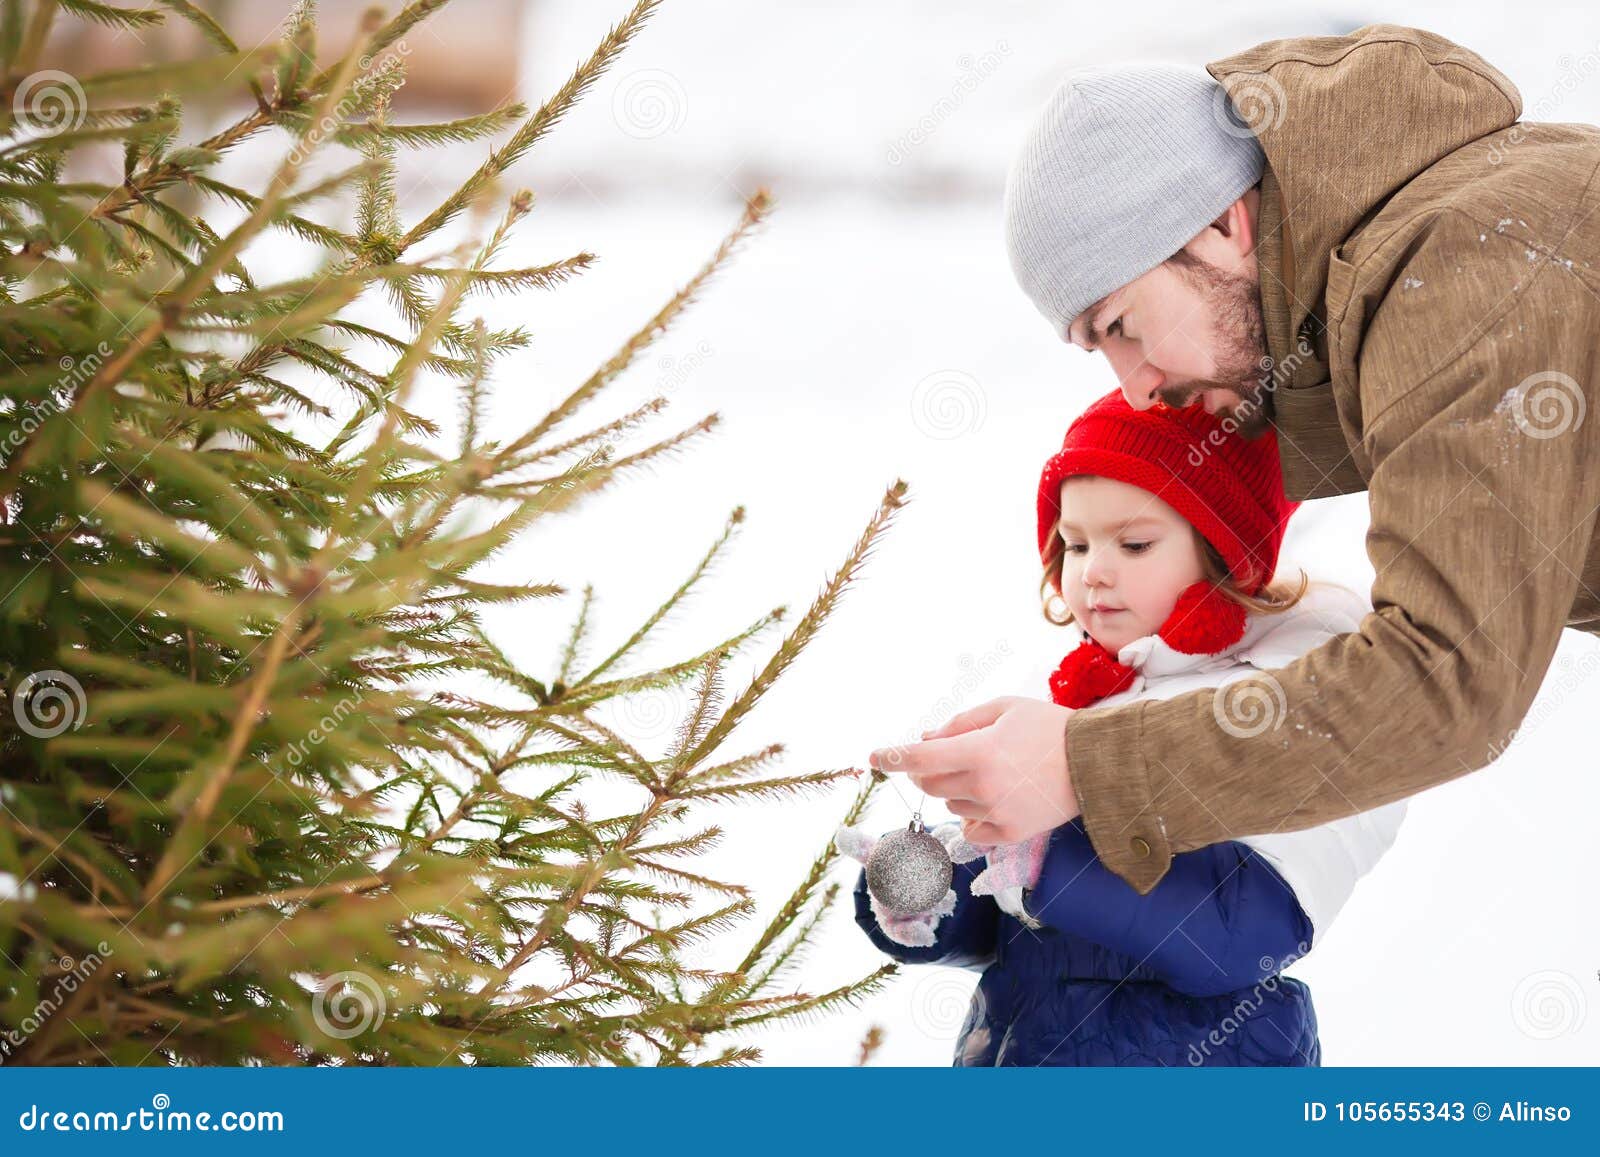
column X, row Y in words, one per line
column 1097, row 569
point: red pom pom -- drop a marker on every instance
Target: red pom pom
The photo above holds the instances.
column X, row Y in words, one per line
column 1203, row 622
column 1088, row 674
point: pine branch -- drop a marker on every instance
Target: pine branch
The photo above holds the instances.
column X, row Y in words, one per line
column 707, row 696
column 807, row 1007
column 807, row 627
column 303, row 752
column 798, row 900
column 755, row 211
column 779, row 788
column 535, row 128
column 515, row 280
column 677, row 596
column 33, row 39
column 790, row 954
column 201, row 276
column 208, row 27
column 109, row 16
column 569, row 654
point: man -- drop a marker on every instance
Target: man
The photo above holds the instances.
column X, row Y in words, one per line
column 1351, row 238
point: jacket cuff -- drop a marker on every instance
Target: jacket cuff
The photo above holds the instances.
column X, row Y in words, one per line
column 1110, row 776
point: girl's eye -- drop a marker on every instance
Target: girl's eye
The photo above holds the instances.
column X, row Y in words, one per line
column 1136, row 547
column 1077, row 547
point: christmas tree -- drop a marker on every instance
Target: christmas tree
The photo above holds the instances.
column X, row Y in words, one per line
column 270, row 791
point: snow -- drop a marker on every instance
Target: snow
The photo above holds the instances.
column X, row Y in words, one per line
column 814, row 347
column 871, row 332
column 13, row 889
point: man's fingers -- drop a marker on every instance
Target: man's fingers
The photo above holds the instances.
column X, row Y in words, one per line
column 948, row 785
column 970, row 811
column 970, row 720
column 931, row 755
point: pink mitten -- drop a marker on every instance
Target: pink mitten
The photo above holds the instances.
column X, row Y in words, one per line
column 1012, row 867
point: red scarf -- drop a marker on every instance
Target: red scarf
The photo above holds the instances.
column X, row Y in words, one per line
column 1202, row 622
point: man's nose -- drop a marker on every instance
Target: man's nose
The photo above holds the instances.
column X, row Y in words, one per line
column 1139, row 380
column 1139, row 388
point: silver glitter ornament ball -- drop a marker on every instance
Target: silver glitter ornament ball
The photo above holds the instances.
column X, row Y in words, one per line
column 908, row 871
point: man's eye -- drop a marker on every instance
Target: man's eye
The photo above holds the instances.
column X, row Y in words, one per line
column 1114, row 328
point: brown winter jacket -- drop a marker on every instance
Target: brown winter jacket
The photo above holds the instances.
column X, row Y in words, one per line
column 1430, row 279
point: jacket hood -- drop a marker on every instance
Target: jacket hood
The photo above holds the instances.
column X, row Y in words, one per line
column 1289, row 91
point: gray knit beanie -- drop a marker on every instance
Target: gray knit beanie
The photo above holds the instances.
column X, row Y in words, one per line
column 1122, row 169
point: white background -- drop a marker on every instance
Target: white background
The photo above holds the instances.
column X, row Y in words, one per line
column 872, row 331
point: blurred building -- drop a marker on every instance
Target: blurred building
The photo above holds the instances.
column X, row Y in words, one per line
column 463, row 59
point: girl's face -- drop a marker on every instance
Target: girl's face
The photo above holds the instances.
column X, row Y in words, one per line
column 1127, row 558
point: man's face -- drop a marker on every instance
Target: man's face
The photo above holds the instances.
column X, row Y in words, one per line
column 1186, row 330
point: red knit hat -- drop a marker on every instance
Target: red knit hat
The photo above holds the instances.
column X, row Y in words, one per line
column 1229, row 488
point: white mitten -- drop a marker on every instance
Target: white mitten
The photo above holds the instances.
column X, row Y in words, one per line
column 961, row 852
column 1012, row 867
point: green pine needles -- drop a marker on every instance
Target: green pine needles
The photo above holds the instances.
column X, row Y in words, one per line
column 269, row 791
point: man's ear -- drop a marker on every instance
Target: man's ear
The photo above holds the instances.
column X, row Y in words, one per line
column 1238, row 220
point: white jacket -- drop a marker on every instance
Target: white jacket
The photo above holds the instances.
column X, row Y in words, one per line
column 1323, row 863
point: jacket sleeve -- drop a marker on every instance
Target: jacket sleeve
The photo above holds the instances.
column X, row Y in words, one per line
column 1484, row 480
column 1220, row 919
column 963, row 939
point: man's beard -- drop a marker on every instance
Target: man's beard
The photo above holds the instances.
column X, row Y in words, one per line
column 1242, row 361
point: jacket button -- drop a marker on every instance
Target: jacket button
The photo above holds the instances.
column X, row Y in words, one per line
column 1140, row 847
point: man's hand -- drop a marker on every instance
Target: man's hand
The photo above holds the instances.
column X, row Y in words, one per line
column 1001, row 767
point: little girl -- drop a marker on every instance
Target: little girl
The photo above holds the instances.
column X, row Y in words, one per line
column 1159, row 531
